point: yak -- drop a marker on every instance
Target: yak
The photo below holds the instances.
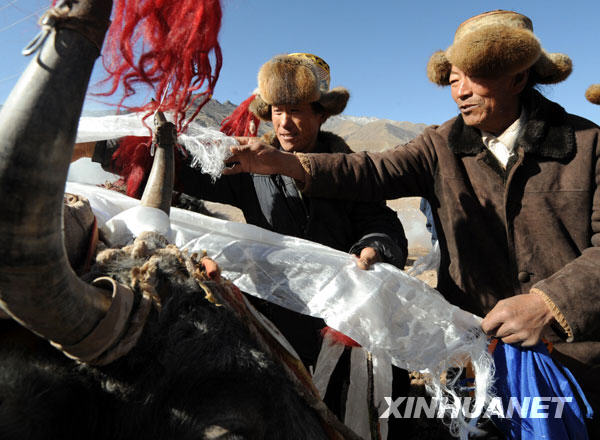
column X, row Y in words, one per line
column 147, row 350
column 196, row 372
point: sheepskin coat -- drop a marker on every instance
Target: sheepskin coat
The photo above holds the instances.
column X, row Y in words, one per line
column 501, row 232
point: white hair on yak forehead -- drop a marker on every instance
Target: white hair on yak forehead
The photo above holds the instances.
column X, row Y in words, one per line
column 498, row 42
column 293, row 80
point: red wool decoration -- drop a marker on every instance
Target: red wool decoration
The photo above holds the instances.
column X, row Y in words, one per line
column 134, row 162
column 165, row 45
column 242, row 122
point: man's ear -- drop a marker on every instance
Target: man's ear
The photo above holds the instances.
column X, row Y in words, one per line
column 520, row 81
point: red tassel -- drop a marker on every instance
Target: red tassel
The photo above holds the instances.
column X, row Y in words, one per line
column 242, row 122
column 339, row 337
column 166, row 46
column 134, row 163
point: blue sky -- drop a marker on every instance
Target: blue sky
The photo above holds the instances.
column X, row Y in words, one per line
column 378, row 49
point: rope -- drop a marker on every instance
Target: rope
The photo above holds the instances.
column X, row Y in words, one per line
column 8, row 78
column 10, row 26
column 8, row 5
column 144, row 279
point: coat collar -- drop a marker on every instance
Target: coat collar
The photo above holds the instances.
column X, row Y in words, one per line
column 546, row 133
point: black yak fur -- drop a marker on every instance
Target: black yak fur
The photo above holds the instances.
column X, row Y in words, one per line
column 195, row 373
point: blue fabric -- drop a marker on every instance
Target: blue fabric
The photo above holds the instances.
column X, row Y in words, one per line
column 522, row 373
column 425, row 208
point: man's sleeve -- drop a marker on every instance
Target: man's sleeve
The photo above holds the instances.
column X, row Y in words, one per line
column 379, row 227
column 404, row 171
column 371, row 178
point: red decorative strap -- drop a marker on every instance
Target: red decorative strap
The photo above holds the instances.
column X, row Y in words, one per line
column 339, row 337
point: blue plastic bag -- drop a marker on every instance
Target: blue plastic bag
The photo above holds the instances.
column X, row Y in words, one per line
column 539, row 395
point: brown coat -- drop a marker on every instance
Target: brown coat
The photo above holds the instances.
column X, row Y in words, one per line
column 501, row 232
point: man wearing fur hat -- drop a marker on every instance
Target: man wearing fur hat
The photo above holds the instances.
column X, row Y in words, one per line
column 294, row 94
column 513, row 182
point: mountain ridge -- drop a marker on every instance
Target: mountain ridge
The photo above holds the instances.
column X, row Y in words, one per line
column 362, row 133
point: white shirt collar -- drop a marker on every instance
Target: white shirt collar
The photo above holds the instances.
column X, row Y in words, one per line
column 503, row 145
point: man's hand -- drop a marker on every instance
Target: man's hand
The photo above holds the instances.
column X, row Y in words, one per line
column 368, row 256
column 83, row 149
column 520, row 319
column 254, row 156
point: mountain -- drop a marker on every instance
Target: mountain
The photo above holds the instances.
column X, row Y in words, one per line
column 361, row 133
column 211, row 114
column 372, row 134
column 214, row 112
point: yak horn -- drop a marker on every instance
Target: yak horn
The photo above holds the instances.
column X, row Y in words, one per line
column 38, row 123
column 158, row 192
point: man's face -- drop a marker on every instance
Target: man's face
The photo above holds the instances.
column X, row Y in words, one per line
column 296, row 126
column 489, row 104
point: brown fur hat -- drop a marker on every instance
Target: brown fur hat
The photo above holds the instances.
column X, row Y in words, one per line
column 294, row 79
column 593, row 94
column 498, row 42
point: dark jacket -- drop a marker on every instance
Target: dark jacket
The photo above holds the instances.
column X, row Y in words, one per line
column 537, row 224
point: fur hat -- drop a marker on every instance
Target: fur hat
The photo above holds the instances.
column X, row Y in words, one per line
column 293, row 79
column 593, row 94
column 498, row 42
